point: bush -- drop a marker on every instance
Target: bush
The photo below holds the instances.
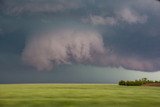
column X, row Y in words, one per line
column 136, row 82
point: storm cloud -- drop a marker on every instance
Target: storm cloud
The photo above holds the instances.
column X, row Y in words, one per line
column 90, row 32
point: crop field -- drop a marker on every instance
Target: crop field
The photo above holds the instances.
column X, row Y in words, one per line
column 78, row 95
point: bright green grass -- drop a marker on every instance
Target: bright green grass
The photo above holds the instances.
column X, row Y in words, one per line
column 78, row 95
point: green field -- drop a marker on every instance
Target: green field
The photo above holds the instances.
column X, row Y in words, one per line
column 78, row 95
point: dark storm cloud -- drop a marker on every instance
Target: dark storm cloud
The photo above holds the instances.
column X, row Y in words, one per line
column 99, row 32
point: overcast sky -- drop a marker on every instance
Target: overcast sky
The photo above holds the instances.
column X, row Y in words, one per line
column 84, row 41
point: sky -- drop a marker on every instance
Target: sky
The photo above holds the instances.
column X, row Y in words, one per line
column 79, row 41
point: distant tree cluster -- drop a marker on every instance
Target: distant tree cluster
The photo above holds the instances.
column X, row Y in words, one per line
column 137, row 82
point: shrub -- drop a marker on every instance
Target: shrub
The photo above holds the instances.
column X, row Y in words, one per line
column 122, row 82
column 137, row 82
column 156, row 81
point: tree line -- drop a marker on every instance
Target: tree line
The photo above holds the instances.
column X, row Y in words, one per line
column 137, row 82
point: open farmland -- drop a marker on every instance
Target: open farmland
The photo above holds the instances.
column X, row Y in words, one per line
column 78, row 95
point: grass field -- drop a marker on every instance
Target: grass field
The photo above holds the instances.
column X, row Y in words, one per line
column 78, row 95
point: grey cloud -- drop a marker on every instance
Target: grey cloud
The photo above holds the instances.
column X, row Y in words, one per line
column 31, row 6
column 124, row 15
column 130, row 16
column 131, row 62
column 99, row 20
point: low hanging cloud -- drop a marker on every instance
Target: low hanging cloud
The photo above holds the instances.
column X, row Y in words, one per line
column 64, row 46
column 130, row 62
column 46, row 50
